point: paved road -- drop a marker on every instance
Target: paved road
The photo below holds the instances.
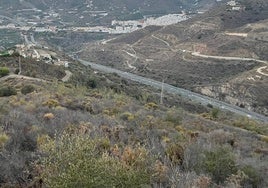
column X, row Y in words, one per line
column 204, row 100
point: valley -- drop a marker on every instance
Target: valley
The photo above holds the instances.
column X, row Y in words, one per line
column 123, row 93
column 200, row 55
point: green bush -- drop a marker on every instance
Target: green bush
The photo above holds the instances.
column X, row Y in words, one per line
column 27, row 89
column 174, row 116
column 92, row 83
column 4, row 71
column 253, row 177
column 219, row 164
column 3, row 139
column 7, row 91
column 76, row 161
column 251, row 125
column 215, row 113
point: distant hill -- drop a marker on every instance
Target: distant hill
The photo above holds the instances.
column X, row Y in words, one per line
column 143, row 5
column 166, row 53
column 98, row 12
column 124, row 9
column 77, row 127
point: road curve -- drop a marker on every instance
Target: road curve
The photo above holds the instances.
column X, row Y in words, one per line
column 204, row 100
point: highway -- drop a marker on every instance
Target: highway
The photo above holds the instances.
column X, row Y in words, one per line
column 196, row 97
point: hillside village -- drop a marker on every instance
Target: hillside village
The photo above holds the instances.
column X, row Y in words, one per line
column 116, row 27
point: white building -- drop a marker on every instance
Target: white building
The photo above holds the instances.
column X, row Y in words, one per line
column 231, row 3
column 236, row 8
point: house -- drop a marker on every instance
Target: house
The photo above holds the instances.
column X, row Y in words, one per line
column 236, row 8
column 231, row 3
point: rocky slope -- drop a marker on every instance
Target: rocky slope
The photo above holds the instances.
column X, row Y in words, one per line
column 136, row 141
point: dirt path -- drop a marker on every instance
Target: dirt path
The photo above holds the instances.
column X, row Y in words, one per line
column 260, row 71
column 237, row 34
column 67, row 77
column 161, row 40
column 131, row 55
column 106, row 41
column 228, row 58
column 15, row 76
column 215, row 57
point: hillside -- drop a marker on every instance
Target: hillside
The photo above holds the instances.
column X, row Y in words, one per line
column 147, row 6
column 97, row 12
column 64, row 122
column 221, row 53
column 46, row 123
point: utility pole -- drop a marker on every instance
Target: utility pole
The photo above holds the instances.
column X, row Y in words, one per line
column 19, row 66
column 162, row 92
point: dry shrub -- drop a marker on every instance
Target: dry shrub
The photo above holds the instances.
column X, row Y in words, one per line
column 75, row 161
column 264, row 138
column 115, row 151
column 160, row 172
column 180, row 179
column 127, row 116
column 235, row 180
column 49, row 116
column 203, row 182
column 221, row 137
column 51, row 103
column 82, row 129
column 179, row 128
column 151, row 106
column 111, row 111
column 134, row 156
column 175, row 152
column 103, row 144
column 42, row 140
